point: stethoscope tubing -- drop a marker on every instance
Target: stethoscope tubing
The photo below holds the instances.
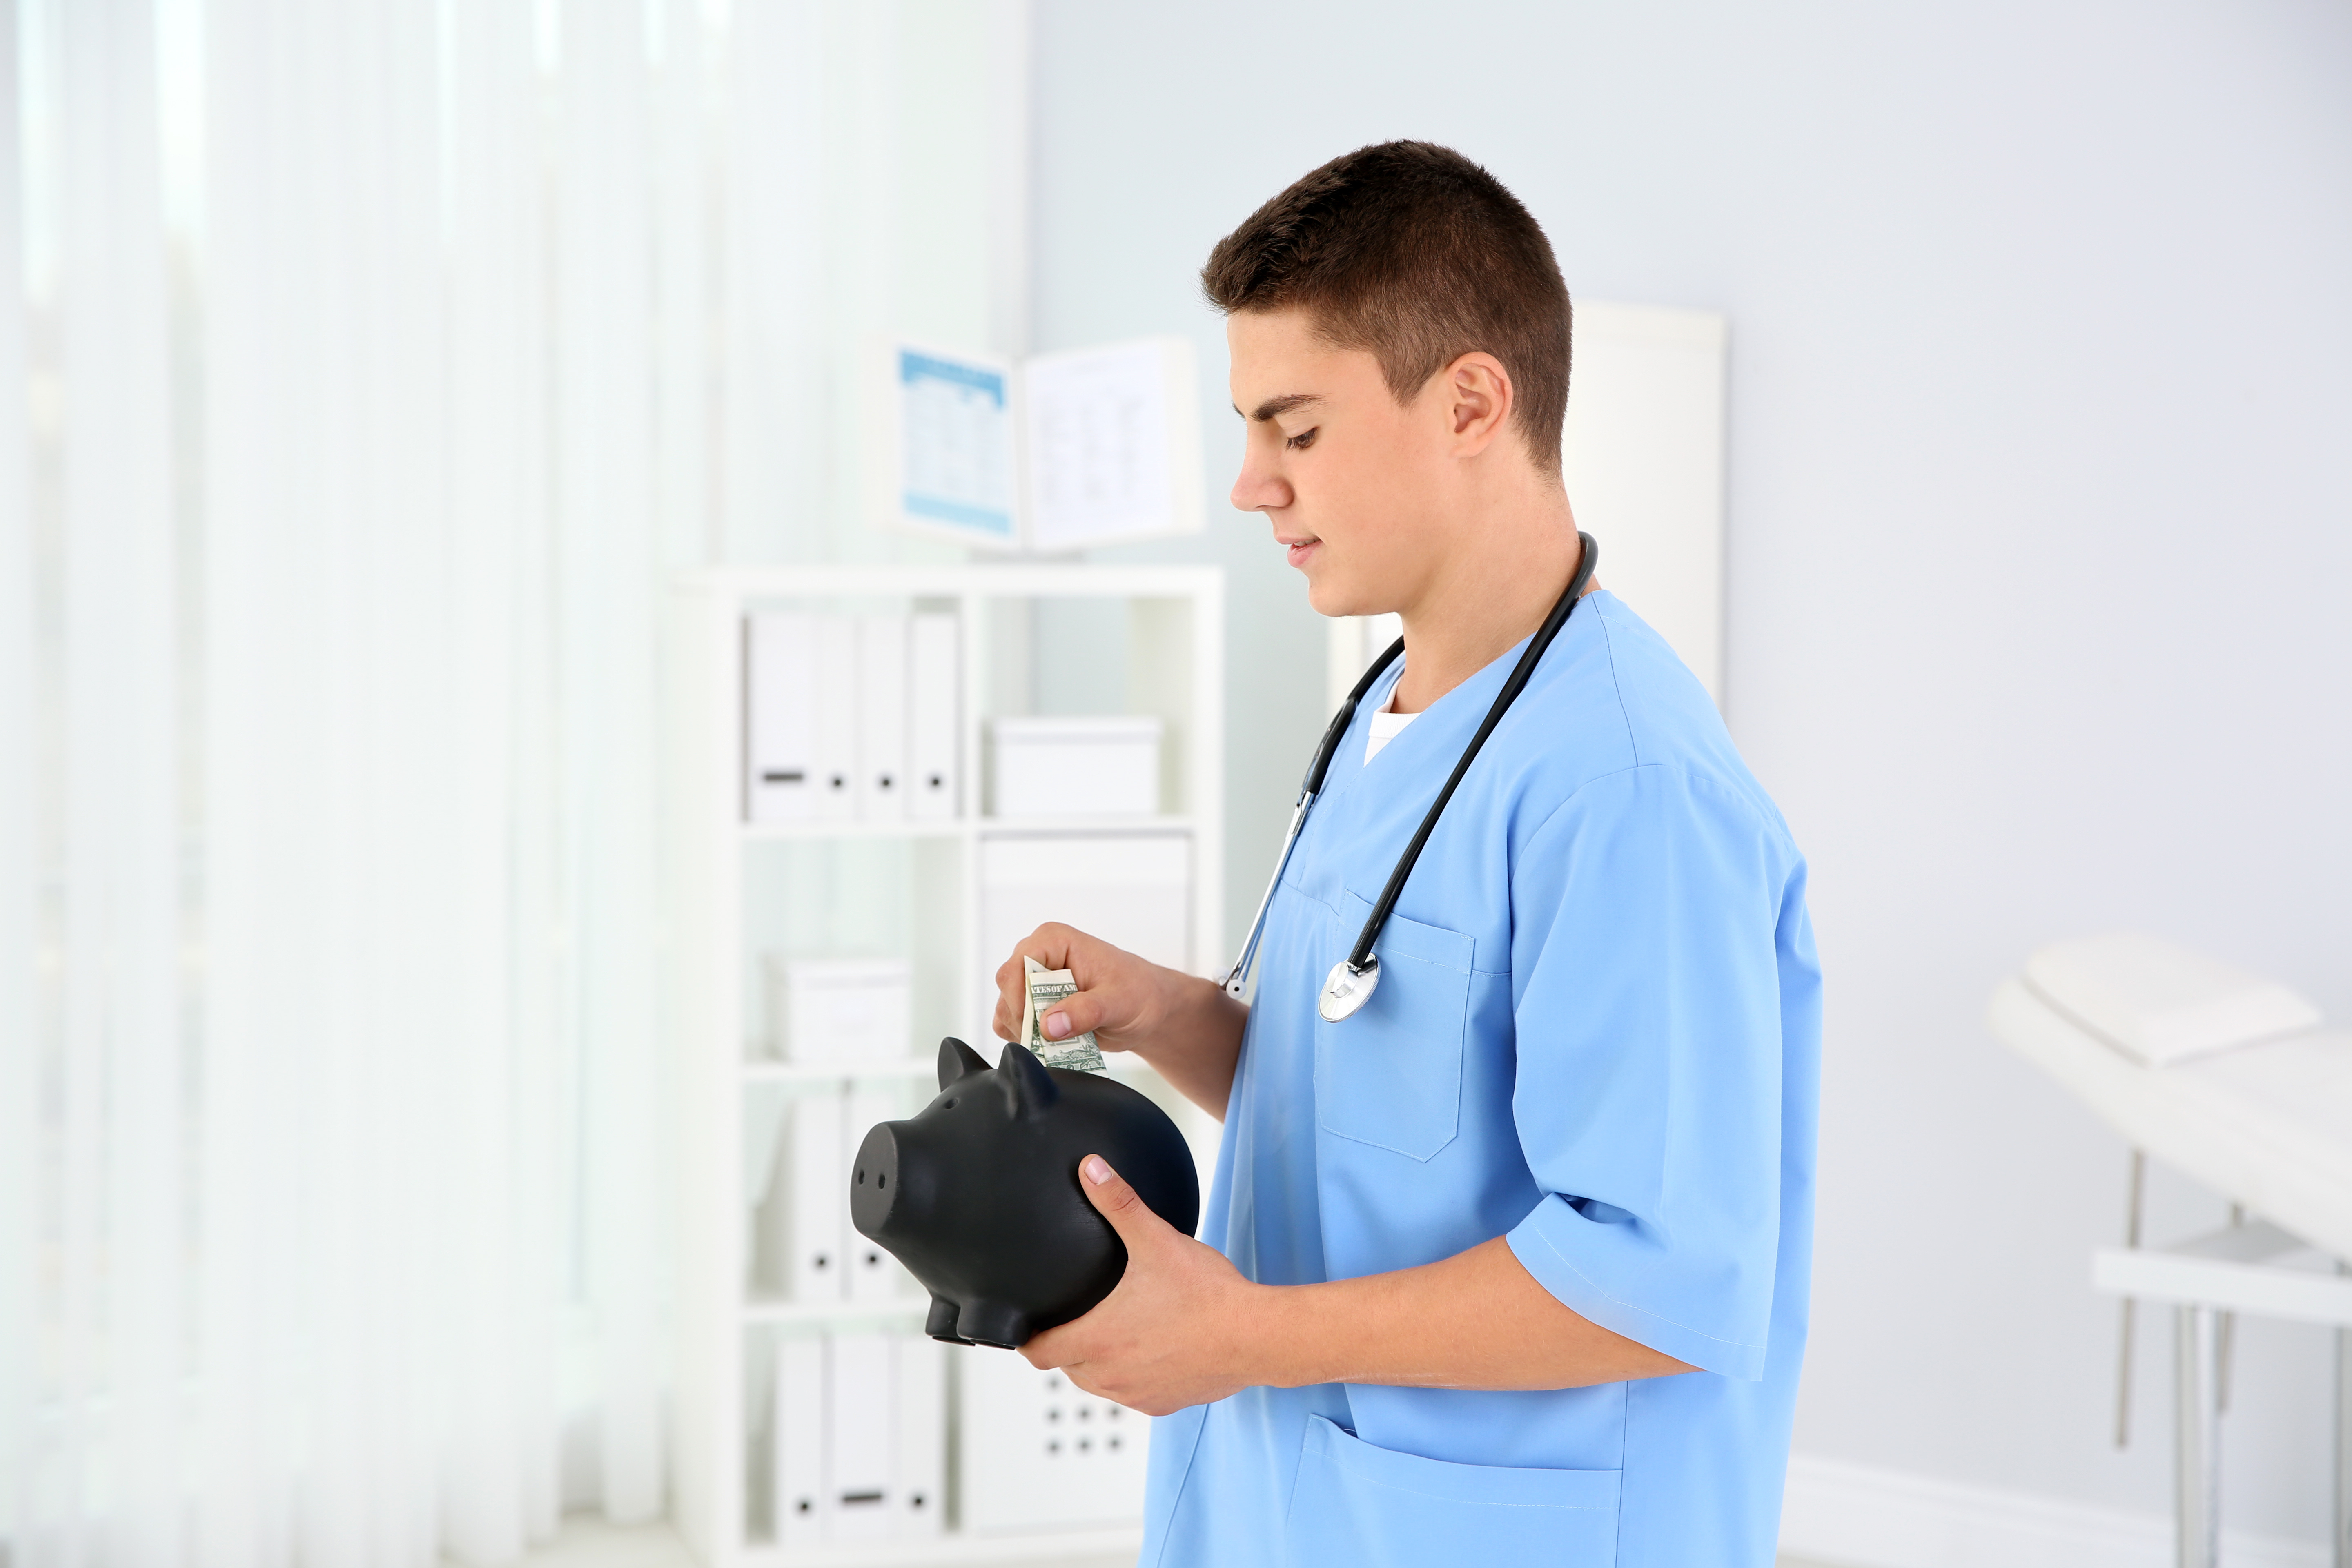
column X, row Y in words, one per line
column 1359, row 959
column 1588, row 556
column 1308, row 788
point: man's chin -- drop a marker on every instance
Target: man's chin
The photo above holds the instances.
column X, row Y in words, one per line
column 1328, row 596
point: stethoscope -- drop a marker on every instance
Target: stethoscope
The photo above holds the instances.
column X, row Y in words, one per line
column 1351, row 980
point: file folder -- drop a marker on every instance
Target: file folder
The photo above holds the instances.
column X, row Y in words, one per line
column 934, row 693
column 778, row 717
column 803, row 1508
column 882, row 717
column 860, row 1405
column 766, row 1112
column 820, row 1198
column 918, row 1475
column 834, row 702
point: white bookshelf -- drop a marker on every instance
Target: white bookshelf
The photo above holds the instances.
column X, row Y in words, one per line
column 1173, row 660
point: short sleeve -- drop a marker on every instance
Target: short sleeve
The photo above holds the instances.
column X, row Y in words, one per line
column 1646, row 1000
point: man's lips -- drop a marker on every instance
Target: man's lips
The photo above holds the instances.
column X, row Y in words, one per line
column 1299, row 549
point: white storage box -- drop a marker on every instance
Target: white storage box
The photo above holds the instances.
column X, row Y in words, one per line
column 1056, row 766
column 846, row 1010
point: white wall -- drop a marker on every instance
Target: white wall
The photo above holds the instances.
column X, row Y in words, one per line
column 2040, row 531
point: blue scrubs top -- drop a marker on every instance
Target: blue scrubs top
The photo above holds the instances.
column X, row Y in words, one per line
column 1597, row 1032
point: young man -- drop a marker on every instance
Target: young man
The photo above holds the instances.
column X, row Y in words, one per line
column 1511, row 1265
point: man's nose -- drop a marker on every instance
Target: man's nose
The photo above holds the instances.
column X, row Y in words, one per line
column 1258, row 487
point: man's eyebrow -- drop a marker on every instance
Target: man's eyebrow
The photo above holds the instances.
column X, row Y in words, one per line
column 1275, row 408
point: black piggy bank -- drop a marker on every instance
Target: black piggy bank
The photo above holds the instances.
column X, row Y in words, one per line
column 978, row 1195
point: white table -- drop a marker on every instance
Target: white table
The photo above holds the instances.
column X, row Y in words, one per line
column 2267, row 1124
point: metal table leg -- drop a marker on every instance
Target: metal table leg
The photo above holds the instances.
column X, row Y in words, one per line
column 2343, row 1526
column 2197, row 1437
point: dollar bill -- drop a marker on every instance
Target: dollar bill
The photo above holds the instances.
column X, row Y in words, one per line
column 1048, row 986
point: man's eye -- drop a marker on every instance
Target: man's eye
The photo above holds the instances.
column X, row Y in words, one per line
column 1300, row 442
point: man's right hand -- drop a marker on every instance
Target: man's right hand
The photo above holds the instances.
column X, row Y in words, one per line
column 1185, row 1027
column 1117, row 994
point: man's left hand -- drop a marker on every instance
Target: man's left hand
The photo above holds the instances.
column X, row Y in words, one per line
column 1174, row 1331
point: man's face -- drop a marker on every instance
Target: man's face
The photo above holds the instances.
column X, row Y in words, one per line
column 1352, row 480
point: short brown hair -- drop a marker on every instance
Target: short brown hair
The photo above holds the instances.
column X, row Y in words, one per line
column 1415, row 253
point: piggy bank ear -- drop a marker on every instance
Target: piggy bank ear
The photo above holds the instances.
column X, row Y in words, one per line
column 1033, row 1089
column 957, row 1059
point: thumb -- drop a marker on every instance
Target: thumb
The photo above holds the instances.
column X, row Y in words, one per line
column 1072, row 1015
column 1119, row 1203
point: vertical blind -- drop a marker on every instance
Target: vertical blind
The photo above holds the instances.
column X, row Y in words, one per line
column 365, row 368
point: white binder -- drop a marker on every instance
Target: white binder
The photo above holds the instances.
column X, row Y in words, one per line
column 934, row 689
column 874, row 1274
column 882, row 717
column 801, row 1507
column 820, row 1198
column 833, row 700
column 861, row 1404
column 766, row 1113
column 918, row 1477
column 778, row 717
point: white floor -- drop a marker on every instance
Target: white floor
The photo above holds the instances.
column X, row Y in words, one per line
column 589, row 1542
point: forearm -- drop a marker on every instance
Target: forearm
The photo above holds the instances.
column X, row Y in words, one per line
column 1477, row 1320
column 1192, row 1038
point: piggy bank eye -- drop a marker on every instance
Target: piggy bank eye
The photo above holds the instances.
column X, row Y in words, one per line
column 948, row 1104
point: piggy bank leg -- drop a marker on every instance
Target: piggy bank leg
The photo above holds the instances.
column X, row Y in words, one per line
column 993, row 1324
column 941, row 1324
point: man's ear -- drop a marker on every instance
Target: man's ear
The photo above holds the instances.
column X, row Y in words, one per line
column 1480, row 397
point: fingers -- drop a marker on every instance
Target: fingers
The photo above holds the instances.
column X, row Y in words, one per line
column 1050, row 945
column 1118, row 1203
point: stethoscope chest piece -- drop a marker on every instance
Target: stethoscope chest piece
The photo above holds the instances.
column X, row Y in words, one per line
column 1347, row 988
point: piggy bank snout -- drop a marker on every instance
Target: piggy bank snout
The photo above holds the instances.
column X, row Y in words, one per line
column 874, row 1184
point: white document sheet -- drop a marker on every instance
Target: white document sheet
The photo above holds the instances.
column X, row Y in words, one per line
column 955, row 446
column 1112, row 444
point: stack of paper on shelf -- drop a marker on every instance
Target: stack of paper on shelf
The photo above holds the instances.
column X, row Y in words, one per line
column 850, row 718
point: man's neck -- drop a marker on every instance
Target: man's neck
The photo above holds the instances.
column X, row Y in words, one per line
column 1490, row 592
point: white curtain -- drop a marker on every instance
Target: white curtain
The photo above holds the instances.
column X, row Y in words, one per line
column 366, row 367
column 332, row 535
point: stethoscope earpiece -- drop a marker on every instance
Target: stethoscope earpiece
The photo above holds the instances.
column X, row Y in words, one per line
column 1350, row 982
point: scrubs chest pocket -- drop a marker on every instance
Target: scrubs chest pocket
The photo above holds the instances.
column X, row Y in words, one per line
column 1391, row 1075
column 1374, row 1508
